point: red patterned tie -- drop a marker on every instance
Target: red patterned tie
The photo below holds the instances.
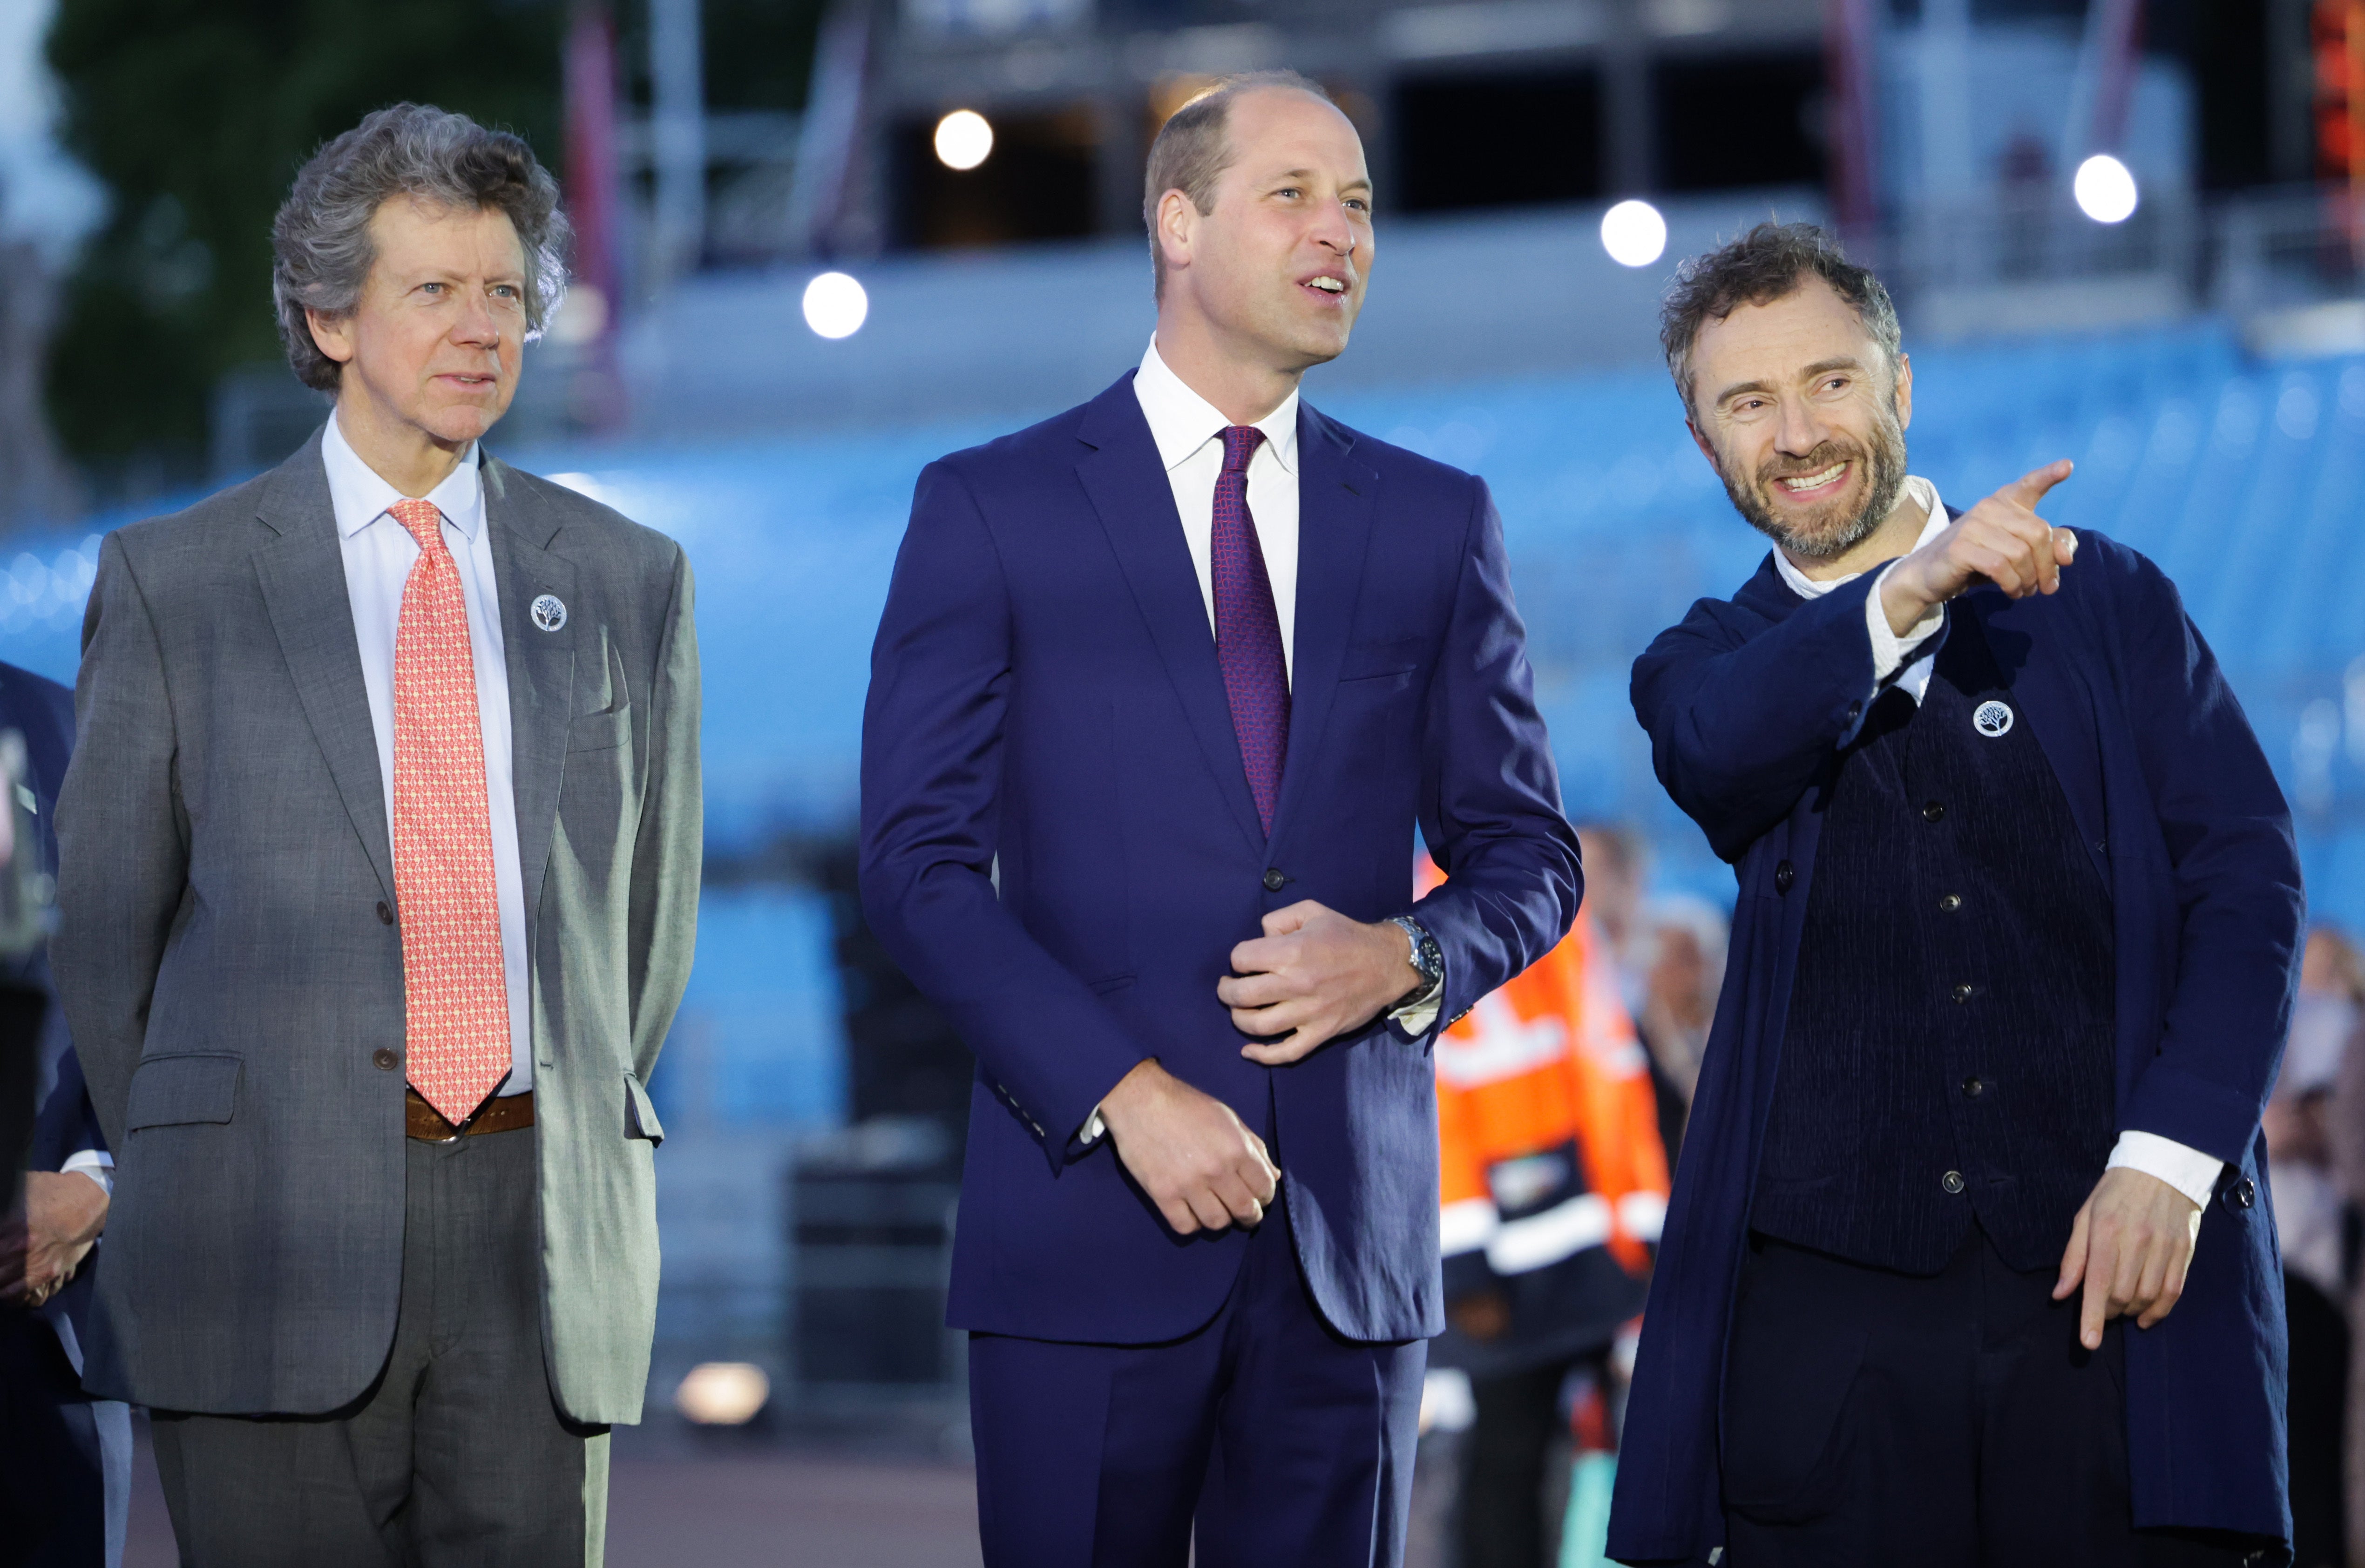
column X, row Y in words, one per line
column 457, row 1023
column 1248, row 628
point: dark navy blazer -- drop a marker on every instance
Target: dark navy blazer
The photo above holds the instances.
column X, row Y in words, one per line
column 1745, row 703
column 63, row 1123
column 1060, row 847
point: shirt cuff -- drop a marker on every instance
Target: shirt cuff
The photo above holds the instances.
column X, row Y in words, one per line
column 1889, row 651
column 96, row 1164
column 1416, row 1016
column 1093, row 1130
column 2188, row 1170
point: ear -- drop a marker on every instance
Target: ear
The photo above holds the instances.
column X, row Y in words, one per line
column 332, row 335
column 1904, row 395
column 1178, row 224
column 1707, row 448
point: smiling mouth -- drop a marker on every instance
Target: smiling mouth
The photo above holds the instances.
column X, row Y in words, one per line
column 1329, row 287
column 1806, row 484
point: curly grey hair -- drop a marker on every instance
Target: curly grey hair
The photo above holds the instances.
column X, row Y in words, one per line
column 1769, row 263
column 320, row 240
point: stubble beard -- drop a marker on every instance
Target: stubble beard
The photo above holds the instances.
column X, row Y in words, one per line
column 1822, row 535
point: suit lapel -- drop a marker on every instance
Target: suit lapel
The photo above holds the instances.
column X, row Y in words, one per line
column 301, row 569
column 1334, row 531
column 1127, row 484
column 540, row 666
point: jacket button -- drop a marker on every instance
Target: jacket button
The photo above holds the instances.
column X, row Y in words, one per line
column 1933, row 812
column 383, row 1060
column 1963, row 992
column 1951, row 903
column 385, row 915
column 1783, row 874
column 1856, row 710
column 1973, row 1089
column 2242, row 1193
column 1951, row 1181
column 1273, row 880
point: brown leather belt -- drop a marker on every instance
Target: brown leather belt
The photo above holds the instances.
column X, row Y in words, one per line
column 504, row 1114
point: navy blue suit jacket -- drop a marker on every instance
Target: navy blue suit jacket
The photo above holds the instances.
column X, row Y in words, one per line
column 63, row 1121
column 1745, row 703
column 1046, row 706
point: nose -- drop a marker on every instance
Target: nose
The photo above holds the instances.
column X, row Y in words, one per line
column 1332, row 231
column 1801, row 430
column 476, row 326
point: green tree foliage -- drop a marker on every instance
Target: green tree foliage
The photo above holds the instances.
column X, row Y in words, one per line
column 197, row 114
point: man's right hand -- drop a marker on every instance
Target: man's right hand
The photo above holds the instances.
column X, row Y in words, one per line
column 1198, row 1163
column 2001, row 541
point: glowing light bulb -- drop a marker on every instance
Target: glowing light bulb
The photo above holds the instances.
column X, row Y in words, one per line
column 2105, row 189
column 964, row 139
column 723, row 1394
column 1634, row 233
column 836, row 306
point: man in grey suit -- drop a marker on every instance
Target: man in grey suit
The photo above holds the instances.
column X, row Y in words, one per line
column 380, row 866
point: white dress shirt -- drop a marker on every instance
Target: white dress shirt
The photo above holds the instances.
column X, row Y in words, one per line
column 2187, row 1170
column 1189, row 431
column 379, row 552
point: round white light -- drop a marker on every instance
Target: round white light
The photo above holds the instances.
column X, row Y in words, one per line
column 2105, row 189
column 1634, row 233
column 964, row 139
column 836, row 306
column 723, row 1394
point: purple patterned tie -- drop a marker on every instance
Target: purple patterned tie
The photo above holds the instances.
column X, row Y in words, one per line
column 1248, row 632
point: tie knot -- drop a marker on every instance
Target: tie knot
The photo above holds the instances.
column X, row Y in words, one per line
column 1241, row 442
column 421, row 519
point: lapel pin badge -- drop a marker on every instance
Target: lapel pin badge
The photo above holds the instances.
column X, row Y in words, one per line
column 1991, row 719
column 549, row 612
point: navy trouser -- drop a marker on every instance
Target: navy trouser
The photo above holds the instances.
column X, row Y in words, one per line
column 1284, row 1445
column 1952, row 1420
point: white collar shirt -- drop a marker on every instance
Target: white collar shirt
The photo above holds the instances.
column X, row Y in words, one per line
column 1189, row 434
column 378, row 554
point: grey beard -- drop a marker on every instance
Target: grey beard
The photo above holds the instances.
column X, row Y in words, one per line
column 1888, row 462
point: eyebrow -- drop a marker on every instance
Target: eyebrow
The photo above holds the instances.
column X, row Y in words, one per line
column 1362, row 185
column 1820, row 367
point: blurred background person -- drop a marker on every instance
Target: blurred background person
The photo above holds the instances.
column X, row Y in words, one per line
column 65, row 1455
column 1555, row 1186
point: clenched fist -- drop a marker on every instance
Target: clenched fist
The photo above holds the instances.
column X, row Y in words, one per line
column 2000, row 540
column 1198, row 1161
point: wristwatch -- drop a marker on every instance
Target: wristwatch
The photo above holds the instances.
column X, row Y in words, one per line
column 1427, row 957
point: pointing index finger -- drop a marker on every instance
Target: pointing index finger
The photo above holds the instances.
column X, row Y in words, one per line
column 2029, row 488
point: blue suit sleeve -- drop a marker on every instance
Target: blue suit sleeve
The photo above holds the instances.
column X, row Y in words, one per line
column 2235, row 877
column 1490, row 795
column 1741, row 724
column 932, row 737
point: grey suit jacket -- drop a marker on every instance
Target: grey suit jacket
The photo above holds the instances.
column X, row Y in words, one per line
column 230, row 963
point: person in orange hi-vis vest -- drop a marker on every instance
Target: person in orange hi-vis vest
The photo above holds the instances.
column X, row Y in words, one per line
column 1555, row 1182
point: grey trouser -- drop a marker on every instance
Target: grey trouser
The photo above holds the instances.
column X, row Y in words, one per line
column 456, row 1455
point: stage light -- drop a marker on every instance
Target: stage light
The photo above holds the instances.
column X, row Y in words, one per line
column 836, row 306
column 964, row 139
column 723, row 1394
column 1634, row 233
column 2105, row 189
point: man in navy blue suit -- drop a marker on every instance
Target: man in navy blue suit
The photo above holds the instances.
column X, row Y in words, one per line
column 65, row 1457
column 1968, row 1264
column 1162, row 686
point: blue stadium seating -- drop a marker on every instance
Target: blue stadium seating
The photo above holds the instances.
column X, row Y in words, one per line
column 2246, row 482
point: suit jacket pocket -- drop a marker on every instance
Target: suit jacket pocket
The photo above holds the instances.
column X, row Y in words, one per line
column 600, row 732
column 167, row 1090
column 1373, row 661
column 640, row 1115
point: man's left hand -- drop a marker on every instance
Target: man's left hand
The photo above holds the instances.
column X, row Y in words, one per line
column 64, row 1213
column 1314, row 975
column 2129, row 1247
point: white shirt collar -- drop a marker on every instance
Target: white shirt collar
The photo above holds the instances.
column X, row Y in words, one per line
column 360, row 497
column 1181, row 421
column 1924, row 494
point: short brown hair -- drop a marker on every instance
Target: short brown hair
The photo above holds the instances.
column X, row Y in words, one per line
column 1192, row 149
column 1768, row 264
